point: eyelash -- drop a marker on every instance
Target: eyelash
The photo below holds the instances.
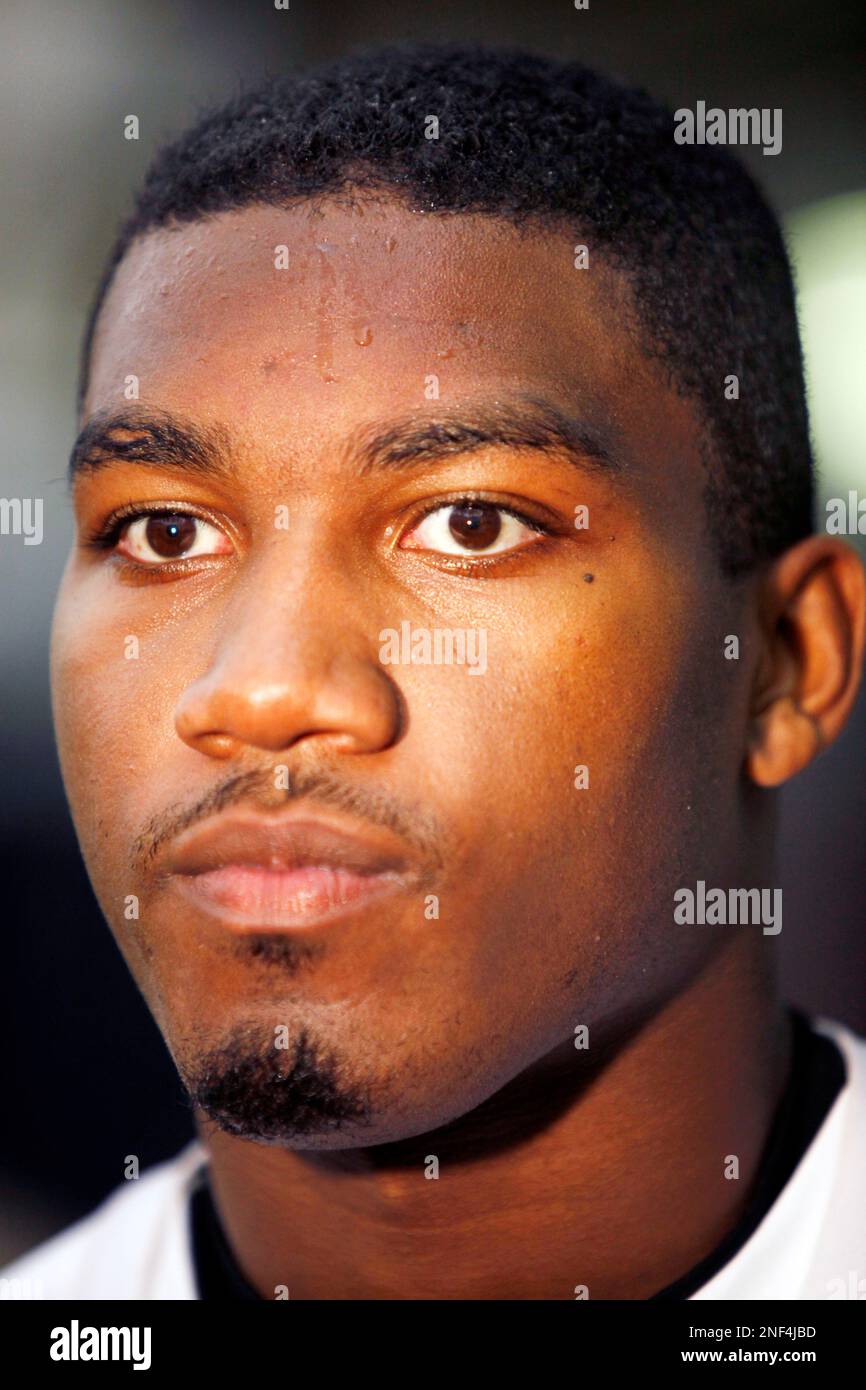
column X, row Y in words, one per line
column 462, row 498
column 106, row 537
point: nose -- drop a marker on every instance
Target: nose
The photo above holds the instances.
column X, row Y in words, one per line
column 292, row 662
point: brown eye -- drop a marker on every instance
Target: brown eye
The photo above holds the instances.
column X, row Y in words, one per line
column 475, row 526
column 472, row 528
column 171, row 535
column 154, row 538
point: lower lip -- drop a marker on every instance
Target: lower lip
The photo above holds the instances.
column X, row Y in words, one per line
column 253, row 895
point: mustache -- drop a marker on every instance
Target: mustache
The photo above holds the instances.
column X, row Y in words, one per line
column 416, row 825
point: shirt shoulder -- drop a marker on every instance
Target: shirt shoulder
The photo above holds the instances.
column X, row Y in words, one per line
column 134, row 1245
column 812, row 1242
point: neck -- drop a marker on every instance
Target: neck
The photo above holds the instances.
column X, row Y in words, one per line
column 615, row 1182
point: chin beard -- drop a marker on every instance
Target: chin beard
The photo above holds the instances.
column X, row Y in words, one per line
column 274, row 1095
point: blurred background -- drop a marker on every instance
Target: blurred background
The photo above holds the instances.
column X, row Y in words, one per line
column 85, row 1072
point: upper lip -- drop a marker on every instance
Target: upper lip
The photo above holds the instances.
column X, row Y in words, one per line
column 287, row 842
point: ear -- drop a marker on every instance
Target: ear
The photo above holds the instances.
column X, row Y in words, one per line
column 812, row 617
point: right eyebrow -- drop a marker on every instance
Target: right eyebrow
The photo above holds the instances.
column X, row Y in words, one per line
column 138, row 436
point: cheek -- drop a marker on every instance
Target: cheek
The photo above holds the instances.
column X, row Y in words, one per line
column 103, row 736
column 573, row 761
column 100, row 722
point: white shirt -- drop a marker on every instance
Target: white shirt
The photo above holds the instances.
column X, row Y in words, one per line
column 811, row 1244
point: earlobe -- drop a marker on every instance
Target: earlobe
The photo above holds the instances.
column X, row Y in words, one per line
column 814, row 607
column 785, row 741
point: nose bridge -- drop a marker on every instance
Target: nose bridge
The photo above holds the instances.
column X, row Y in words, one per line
column 291, row 658
column 279, row 608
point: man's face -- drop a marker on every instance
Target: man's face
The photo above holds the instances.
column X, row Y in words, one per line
column 231, row 662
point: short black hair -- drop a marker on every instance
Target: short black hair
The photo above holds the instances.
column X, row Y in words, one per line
column 531, row 139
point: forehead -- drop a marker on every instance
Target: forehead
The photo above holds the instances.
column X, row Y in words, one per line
column 330, row 312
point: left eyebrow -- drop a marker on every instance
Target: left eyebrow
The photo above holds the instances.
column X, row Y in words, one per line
column 526, row 422
column 138, row 436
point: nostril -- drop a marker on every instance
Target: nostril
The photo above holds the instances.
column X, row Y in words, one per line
column 344, row 698
column 215, row 745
